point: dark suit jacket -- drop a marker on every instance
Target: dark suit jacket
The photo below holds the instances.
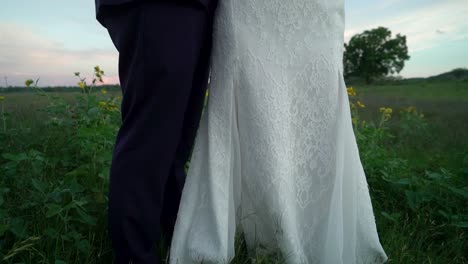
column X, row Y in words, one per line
column 101, row 3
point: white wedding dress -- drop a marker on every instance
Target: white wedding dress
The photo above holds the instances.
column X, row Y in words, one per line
column 276, row 157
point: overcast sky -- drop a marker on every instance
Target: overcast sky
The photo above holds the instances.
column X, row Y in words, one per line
column 52, row 39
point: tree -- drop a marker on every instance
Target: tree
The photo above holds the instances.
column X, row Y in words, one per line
column 374, row 53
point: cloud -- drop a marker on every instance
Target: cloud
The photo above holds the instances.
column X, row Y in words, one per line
column 425, row 27
column 27, row 53
column 382, row 5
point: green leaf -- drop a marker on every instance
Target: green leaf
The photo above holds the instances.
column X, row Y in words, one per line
column 404, row 181
column 17, row 157
column 104, row 174
column 53, row 210
column 18, row 227
column 461, row 224
column 51, row 232
column 392, row 217
column 95, row 111
column 86, row 218
column 462, row 192
column 434, row 175
column 75, row 187
column 3, row 229
column 84, row 246
column 444, row 214
column 83, row 170
column 40, row 186
column 66, row 237
column 2, row 192
column 413, row 198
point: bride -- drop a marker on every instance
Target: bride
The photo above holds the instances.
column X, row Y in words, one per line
column 275, row 156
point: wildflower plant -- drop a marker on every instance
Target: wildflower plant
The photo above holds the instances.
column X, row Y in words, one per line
column 413, row 122
column 63, row 180
column 54, row 183
column 3, row 115
column 98, row 75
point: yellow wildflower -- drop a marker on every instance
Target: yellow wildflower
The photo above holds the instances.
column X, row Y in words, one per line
column 354, row 119
column 28, row 82
column 351, row 91
column 103, row 91
column 98, row 72
column 111, row 106
column 2, row 98
column 411, row 109
column 102, row 104
column 81, row 84
column 386, row 112
column 360, row 104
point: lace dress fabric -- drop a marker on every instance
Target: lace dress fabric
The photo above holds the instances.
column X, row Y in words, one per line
column 275, row 156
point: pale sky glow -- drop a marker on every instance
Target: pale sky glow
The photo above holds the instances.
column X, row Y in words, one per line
column 52, row 39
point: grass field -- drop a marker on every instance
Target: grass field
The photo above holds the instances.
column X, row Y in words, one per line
column 445, row 106
column 56, row 149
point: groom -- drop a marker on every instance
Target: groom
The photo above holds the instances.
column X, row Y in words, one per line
column 164, row 49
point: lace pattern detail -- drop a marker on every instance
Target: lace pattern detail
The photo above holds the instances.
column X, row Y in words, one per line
column 276, row 155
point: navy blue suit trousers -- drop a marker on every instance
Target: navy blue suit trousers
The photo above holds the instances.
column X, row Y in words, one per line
column 164, row 53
